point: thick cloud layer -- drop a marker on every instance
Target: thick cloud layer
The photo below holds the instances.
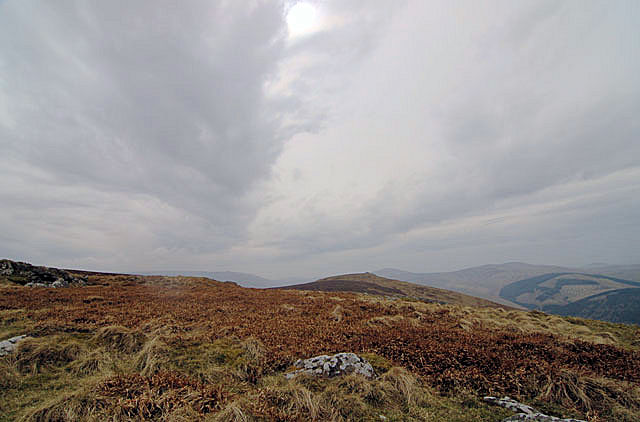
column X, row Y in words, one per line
column 422, row 135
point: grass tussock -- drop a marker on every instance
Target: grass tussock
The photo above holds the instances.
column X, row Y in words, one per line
column 228, row 360
column 10, row 377
column 33, row 355
column 119, row 339
column 251, row 363
column 153, row 357
column 338, row 313
column 390, row 320
column 237, row 411
column 380, row 364
column 91, row 363
column 79, row 406
column 593, row 396
column 402, row 386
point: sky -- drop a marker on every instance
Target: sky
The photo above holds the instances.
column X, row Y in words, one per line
column 300, row 139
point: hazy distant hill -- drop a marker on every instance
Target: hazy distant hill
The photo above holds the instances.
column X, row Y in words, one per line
column 483, row 281
column 587, row 295
column 628, row 272
column 486, row 281
column 243, row 279
column 376, row 285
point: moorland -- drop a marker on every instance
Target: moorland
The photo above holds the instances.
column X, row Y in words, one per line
column 129, row 347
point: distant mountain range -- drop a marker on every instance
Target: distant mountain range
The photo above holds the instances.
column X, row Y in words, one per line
column 486, row 281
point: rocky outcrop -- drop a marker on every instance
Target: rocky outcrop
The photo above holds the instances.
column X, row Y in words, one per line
column 8, row 346
column 32, row 276
column 526, row 412
column 333, row 366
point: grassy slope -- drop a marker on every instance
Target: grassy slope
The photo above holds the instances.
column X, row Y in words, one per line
column 372, row 284
column 194, row 349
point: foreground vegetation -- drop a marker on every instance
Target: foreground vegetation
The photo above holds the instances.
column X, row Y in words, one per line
column 181, row 349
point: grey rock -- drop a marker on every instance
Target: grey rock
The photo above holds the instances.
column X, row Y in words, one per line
column 61, row 282
column 32, row 284
column 33, row 276
column 5, row 267
column 9, row 345
column 537, row 417
column 511, row 404
column 527, row 413
column 333, row 366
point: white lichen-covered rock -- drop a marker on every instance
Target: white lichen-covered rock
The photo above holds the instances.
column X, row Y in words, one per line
column 61, row 282
column 8, row 346
column 526, row 412
column 333, row 366
column 511, row 404
column 537, row 417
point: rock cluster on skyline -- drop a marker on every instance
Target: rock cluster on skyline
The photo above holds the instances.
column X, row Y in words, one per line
column 33, row 276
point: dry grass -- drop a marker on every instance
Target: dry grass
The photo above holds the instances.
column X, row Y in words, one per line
column 591, row 395
column 597, row 332
column 391, row 320
column 233, row 412
column 153, row 357
column 96, row 361
column 10, row 377
column 36, row 354
column 338, row 313
column 120, row 339
column 402, row 385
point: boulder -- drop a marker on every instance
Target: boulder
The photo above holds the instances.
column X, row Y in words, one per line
column 526, row 412
column 8, row 346
column 333, row 366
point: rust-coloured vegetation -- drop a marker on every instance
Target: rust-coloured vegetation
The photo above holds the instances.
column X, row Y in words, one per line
column 161, row 319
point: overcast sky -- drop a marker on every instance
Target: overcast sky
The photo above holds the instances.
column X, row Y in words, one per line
column 321, row 137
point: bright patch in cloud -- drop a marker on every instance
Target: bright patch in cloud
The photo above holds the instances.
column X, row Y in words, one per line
column 302, row 19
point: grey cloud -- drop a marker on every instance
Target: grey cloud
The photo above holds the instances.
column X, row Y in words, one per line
column 517, row 115
column 139, row 135
column 154, row 99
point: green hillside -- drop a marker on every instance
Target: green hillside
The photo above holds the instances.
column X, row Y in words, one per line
column 574, row 294
column 615, row 306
